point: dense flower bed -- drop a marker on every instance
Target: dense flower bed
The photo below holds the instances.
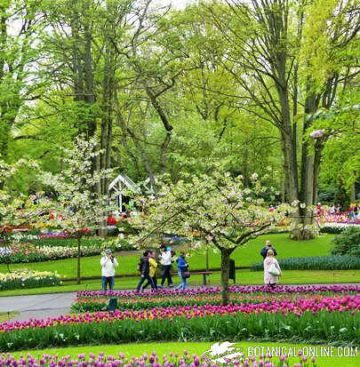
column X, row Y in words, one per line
column 153, row 360
column 289, row 289
column 53, row 248
column 88, row 304
column 337, row 327
column 297, row 307
column 91, row 301
column 28, row 279
column 340, row 219
column 26, row 252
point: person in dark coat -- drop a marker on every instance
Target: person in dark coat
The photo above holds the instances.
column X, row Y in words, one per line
column 144, row 268
column 265, row 249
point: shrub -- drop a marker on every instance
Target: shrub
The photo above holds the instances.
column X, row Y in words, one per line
column 28, row 279
column 348, row 242
column 315, row 263
column 333, row 229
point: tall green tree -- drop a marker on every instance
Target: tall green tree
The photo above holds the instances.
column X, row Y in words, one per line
column 269, row 58
column 20, row 25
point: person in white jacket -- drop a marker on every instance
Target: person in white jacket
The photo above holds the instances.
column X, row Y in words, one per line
column 272, row 269
column 108, row 264
column 165, row 261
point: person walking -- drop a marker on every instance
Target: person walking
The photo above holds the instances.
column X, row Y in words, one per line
column 182, row 266
column 108, row 264
column 152, row 269
column 264, row 250
column 272, row 269
column 144, row 268
column 165, row 261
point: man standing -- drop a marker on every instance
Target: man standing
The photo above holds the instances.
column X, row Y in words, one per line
column 165, row 261
column 265, row 249
column 108, row 264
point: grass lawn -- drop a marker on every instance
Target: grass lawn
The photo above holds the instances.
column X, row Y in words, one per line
column 243, row 277
column 198, row 348
column 243, row 256
column 5, row 316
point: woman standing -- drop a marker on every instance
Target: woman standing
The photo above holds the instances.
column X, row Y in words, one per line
column 152, row 271
column 272, row 269
column 182, row 266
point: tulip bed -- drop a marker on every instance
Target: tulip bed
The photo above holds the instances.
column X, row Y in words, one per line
column 27, row 253
column 86, row 304
column 316, row 319
column 90, row 301
column 153, row 360
column 28, row 279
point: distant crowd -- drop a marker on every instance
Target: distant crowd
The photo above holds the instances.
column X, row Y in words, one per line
column 148, row 267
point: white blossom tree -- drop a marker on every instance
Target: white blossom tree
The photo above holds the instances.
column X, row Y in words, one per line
column 79, row 208
column 217, row 208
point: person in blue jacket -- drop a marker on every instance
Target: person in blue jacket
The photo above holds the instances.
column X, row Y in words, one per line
column 183, row 267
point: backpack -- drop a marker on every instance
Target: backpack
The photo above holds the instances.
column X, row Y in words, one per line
column 141, row 265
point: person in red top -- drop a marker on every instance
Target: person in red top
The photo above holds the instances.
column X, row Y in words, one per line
column 111, row 220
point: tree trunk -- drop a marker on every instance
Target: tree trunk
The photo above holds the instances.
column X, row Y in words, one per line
column 78, row 277
column 4, row 137
column 225, row 265
column 290, row 167
column 317, row 161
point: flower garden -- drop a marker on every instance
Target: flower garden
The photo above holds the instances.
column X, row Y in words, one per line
column 152, row 360
column 28, row 279
column 300, row 314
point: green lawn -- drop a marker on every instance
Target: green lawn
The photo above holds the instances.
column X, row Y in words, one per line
column 5, row 316
column 243, row 256
column 198, row 348
column 250, row 252
column 244, row 277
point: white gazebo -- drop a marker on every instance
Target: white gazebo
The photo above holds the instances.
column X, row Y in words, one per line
column 148, row 187
column 118, row 187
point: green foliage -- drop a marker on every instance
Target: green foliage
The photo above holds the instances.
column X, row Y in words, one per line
column 332, row 229
column 323, row 327
column 348, row 242
column 316, row 263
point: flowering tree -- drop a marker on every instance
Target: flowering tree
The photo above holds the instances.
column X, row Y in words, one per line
column 79, row 208
column 217, row 208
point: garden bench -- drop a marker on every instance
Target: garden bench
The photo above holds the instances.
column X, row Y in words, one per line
column 205, row 274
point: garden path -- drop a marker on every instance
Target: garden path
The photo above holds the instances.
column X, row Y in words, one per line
column 38, row 306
